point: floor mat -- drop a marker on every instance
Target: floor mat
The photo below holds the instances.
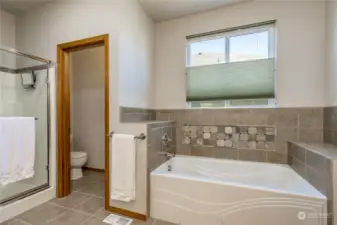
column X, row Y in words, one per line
column 117, row 220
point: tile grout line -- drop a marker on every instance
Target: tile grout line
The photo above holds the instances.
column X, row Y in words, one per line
column 91, row 195
column 56, row 217
column 92, row 216
column 70, row 209
column 21, row 221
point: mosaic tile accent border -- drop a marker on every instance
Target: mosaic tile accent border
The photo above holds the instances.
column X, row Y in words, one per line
column 237, row 137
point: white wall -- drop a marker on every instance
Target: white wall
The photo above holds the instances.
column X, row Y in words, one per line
column 87, row 104
column 7, row 38
column 7, row 80
column 331, row 79
column 39, row 31
column 300, row 49
column 136, row 48
column 7, row 29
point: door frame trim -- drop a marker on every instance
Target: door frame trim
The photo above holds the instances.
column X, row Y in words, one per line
column 63, row 108
column 63, row 119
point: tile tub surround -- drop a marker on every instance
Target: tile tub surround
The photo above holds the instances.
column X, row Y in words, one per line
column 236, row 137
column 155, row 131
column 292, row 124
column 129, row 114
column 316, row 163
column 330, row 125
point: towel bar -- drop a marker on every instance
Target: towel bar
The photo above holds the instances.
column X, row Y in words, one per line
column 140, row 137
column 35, row 118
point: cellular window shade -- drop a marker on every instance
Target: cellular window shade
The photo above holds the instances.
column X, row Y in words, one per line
column 237, row 80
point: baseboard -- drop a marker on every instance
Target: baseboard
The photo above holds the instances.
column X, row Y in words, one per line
column 127, row 213
column 94, row 169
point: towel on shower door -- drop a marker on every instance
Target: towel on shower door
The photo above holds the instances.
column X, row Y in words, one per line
column 17, row 149
column 123, row 168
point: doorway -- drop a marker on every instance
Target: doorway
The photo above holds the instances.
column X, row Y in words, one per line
column 66, row 54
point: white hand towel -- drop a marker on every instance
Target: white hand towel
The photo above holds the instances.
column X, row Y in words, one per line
column 123, row 168
column 17, row 149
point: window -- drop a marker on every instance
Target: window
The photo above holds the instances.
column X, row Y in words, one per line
column 232, row 69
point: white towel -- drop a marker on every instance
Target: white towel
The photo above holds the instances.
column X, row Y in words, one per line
column 123, row 168
column 17, row 149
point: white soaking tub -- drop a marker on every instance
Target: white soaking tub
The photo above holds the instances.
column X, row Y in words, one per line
column 205, row 191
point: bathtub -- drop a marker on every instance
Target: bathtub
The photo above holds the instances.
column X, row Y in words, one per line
column 205, row 191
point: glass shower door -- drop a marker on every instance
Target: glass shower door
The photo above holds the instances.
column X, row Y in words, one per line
column 17, row 101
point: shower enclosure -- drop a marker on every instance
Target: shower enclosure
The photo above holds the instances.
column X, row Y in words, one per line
column 24, row 92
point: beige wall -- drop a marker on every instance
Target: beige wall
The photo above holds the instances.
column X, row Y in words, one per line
column 87, row 104
column 300, row 49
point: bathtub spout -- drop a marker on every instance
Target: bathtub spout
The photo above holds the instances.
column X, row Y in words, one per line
column 168, row 155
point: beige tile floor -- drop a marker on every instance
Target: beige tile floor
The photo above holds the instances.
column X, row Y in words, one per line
column 85, row 206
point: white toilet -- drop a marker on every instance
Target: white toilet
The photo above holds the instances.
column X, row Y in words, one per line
column 78, row 159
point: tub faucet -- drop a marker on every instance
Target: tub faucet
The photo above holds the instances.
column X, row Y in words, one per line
column 165, row 140
column 168, row 155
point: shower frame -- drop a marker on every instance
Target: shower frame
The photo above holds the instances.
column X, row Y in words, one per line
column 46, row 66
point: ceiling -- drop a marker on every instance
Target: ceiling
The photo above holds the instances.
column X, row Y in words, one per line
column 161, row 10
column 19, row 6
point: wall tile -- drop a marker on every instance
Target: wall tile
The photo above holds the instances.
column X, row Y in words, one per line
column 334, row 139
column 163, row 117
column 184, row 150
column 287, row 117
column 225, row 153
column 310, row 135
column 285, row 134
column 129, row 114
column 244, row 117
column 317, row 179
column 317, row 168
column 226, row 116
column 311, row 117
column 297, row 152
column 201, row 151
column 334, row 123
column 275, row 157
column 202, row 116
column 155, row 132
column 317, row 161
column 262, row 117
column 252, row 155
column 328, row 136
column 297, row 165
column 286, row 120
column 328, row 118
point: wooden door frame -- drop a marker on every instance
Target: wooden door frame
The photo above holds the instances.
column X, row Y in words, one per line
column 63, row 110
column 63, row 119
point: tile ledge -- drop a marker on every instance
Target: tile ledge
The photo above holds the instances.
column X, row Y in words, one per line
column 323, row 149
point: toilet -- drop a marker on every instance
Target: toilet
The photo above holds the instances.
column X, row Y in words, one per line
column 78, row 159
